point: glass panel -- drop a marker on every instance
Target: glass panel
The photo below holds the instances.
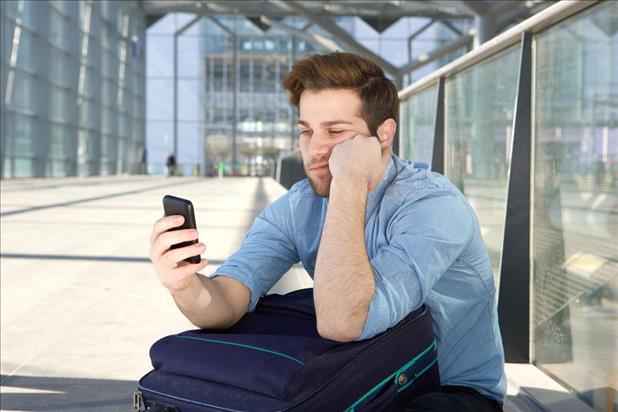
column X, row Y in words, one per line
column 28, row 44
column 575, row 251
column 59, row 108
column 107, row 114
column 59, row 136
column 160, row 144
column 88, row 112
column 23, row 167
column 22, row 91
column 58, row 168
column 21, row 130
column 108, row 93
column 418, row 121
column 189, row 56
column 478, row 137
column 92, row 83
column 86, row 155
column 160, row 95
column 190, row 96
column 109, row 64
column 57, row 28
column 59, row 67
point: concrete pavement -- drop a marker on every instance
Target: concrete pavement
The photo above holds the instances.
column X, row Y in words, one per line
column 80, row 302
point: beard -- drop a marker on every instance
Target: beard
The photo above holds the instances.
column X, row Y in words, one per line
column 320, row 185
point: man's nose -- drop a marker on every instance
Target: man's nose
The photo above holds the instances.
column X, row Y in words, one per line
column 320, row 145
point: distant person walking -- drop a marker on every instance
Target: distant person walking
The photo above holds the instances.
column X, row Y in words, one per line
column 171, row 165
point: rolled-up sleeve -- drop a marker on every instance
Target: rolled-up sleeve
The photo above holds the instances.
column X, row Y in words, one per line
column 266, row 253
column 424, row 239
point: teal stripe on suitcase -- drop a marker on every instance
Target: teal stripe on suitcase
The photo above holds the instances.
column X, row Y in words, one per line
column 393, row 375
column 242, row 346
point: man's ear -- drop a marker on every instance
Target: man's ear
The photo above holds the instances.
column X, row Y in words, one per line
column 386, row 132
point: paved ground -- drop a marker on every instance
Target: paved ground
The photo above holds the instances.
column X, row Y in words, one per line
column 80, row 303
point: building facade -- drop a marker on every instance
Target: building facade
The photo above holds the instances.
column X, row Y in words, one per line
column 73, row 88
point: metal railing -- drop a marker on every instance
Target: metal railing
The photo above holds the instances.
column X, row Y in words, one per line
column 516, row 256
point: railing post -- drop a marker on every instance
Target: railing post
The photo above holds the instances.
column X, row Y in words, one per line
column 437, row 158
column 514, row 294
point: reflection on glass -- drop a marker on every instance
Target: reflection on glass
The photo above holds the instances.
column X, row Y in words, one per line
column 478, row 138
column 418, row 121
column 576, row 205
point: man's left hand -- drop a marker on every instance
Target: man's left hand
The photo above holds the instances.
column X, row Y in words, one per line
column 360, row 157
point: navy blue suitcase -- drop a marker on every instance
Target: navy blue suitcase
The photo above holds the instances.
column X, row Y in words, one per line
column 273, row 359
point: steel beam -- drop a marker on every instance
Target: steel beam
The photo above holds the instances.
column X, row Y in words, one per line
column 415, row 35
column 235, row 91
column 485, row 27
column 314, row 38
column 462, row 41
column 176, row 34
column 267, row 8
column 339, row 34
column 451, row 26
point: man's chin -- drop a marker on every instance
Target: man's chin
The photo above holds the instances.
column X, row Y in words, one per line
column 321, row 188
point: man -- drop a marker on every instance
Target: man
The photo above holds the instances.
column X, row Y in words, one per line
column 379, row 235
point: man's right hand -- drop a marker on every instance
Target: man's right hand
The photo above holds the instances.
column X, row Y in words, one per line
column 175, row 274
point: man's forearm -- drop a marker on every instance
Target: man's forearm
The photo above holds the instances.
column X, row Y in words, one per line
column 343, row 281
column 204, row 304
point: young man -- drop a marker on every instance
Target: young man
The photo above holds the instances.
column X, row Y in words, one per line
column 379, row 235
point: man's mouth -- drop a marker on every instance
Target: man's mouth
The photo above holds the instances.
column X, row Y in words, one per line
column 319, row 166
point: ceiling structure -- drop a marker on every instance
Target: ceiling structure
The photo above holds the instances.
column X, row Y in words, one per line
column 489, row 18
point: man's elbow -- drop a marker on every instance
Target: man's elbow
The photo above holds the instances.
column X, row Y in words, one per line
column 347, row 332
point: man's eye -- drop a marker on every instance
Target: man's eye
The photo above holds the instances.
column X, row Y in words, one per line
column 305, row 132
column 336, row 131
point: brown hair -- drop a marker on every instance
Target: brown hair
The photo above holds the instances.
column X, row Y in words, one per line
column 338, row 70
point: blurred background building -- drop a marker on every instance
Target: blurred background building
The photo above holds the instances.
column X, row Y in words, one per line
column 515, row 101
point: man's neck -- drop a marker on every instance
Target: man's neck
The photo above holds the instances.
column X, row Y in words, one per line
column 386, row 158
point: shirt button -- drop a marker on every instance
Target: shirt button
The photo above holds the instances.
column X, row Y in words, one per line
column 402, row 379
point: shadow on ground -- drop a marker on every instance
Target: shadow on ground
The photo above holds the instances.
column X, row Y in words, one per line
column 38, row 393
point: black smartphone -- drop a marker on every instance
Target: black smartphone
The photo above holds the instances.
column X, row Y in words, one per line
column 173, row 205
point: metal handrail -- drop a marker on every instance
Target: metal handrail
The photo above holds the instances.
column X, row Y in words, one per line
column 540, row 21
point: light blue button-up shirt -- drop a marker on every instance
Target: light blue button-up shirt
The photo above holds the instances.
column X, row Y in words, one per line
column 424, row 245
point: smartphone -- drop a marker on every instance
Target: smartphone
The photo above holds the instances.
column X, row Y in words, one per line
column 173, row 205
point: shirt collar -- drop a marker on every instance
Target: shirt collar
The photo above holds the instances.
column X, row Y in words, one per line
column 375, row 197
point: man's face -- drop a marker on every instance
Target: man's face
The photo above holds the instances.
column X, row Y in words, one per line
column 327, row 118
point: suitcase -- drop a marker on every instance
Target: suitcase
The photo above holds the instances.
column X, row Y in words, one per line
column 273, row 359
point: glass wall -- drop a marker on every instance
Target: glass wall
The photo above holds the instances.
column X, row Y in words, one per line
column 72, row 88
column 478, row 140
column 575, row 231
column 266, row 123
column 417, row 124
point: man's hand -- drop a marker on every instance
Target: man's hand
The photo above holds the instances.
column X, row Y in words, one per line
column 173, row 273
column 360, row 157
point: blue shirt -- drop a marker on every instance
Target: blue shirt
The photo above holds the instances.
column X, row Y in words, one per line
column 424, row 245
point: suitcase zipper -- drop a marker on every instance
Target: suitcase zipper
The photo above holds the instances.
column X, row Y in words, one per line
column 138, row 401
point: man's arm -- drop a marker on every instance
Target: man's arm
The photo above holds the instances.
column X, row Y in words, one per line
column 266, row 253
column 213, row 303
column 207, row 303
column 344, row 283
column 343, row 279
